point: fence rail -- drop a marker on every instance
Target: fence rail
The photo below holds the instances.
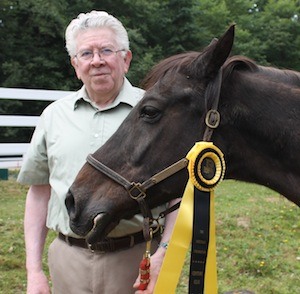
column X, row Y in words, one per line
column 11, row 154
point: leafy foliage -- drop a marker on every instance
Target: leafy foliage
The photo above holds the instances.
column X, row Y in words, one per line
column 32, row 34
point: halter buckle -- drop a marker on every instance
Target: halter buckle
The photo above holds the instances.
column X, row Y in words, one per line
column 212, row 119
column 136, row 191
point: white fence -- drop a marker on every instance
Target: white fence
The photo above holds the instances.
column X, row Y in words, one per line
column 11, row 154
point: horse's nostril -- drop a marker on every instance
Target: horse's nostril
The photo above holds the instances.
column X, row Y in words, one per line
column 70, row 203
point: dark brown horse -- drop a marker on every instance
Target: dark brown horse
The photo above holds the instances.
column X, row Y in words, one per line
column 259, row 133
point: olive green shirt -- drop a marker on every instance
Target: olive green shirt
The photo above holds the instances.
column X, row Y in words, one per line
column 68, row 130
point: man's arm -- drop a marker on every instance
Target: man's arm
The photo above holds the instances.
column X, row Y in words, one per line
column 35, row 231
column 158, row 256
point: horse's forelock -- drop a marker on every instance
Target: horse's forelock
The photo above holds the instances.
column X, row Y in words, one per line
column 171, row 64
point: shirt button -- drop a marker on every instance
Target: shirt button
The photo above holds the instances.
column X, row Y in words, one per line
column 96, row 135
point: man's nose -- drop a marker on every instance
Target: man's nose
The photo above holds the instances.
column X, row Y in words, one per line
column 97, row 58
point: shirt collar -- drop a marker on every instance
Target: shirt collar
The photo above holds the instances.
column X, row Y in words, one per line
column 127, row 95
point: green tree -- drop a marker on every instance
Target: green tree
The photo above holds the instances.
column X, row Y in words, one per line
column 213, row 20
column 281, row 33
column 31, row 37
column 268, row 31
column 32, row 34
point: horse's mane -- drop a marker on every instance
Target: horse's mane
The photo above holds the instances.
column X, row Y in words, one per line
column 238, row 62
column 185, row 60
column 272, row 73
column 173, row 63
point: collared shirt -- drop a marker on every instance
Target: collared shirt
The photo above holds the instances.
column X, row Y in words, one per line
column 68, row 130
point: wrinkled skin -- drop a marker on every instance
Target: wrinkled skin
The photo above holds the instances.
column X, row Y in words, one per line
column 255, row 135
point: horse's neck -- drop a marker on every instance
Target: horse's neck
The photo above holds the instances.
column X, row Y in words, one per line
column 260, row 123
column 287, row 77
column 262, row 105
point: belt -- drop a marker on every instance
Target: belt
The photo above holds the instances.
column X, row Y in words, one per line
column 108, row 244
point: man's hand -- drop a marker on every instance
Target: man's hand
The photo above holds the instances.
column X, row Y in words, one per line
column 157, row 258
column 155, row 265
column 37, row 283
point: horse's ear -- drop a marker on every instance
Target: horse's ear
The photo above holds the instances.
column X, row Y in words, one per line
column 213, row 41
column 214, row 55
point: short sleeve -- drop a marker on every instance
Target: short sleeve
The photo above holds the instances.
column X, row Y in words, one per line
column 35, row 170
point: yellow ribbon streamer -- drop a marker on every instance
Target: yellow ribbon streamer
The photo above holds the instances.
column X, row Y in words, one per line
column 182, row 232
column 178, row 245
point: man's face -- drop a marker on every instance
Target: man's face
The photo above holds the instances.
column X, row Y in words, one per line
column 102, row 75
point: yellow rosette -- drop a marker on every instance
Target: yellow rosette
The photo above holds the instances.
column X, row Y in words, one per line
column 206, row 169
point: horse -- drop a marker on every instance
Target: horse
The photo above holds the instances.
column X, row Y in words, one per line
column 250, row 112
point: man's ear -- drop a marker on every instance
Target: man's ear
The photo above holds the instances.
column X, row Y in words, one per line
column 127, row 60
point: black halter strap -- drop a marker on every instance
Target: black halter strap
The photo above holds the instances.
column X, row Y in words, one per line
column 137, row 191
column 108, row 172
column 212, row 119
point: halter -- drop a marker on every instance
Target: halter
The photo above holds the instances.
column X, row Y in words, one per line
column 138, row 191
column 212, row 119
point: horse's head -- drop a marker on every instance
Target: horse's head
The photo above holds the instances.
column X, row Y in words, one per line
column 159, row 131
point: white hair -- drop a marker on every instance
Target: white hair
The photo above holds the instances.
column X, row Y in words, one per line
column 95, row 19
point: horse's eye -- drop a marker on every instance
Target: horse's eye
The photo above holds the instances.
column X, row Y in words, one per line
column 150, row 113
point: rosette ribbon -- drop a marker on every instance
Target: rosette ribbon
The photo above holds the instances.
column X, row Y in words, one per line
column 195, row 225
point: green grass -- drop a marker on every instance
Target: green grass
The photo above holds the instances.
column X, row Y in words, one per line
column 258, row 234
column 258, row 241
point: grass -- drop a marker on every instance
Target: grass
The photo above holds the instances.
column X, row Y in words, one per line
column 258, row 235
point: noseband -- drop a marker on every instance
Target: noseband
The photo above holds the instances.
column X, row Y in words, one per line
column 138, row 191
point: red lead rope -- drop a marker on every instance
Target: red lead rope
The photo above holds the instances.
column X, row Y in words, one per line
column 145, row 268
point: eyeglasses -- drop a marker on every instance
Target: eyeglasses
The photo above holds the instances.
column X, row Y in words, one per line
column 88, row 55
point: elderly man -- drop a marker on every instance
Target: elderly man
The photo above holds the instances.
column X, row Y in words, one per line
column 68, row 130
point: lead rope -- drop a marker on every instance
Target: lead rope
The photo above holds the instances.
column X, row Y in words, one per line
column 144, row 268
